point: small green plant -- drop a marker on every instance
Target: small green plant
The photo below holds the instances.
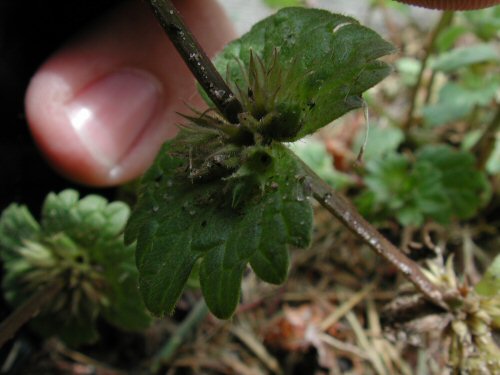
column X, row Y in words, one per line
column 77, row 249
column 474, row 86
column 440, row 184
column 470, row 323
column 227, row 195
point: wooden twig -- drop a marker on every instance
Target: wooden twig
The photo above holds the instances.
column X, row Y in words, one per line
column 344, row 211
column 196, row 59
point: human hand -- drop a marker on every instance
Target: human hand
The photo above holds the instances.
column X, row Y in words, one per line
column 100, row 107
column 452, row 4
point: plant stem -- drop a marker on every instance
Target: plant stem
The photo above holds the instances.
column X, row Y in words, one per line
column 28, row 310
column 486, row 144
column 206, row 74
column 344, row 211
column 444, row 21
column 196, row 59
column 165, row 354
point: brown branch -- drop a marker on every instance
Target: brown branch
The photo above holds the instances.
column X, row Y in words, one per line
column 27, row 311
column 196, row 59
column 343, row 210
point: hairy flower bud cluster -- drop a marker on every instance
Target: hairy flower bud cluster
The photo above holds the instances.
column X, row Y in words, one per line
column 240, row 154
column 59, row 258
column 473, row 349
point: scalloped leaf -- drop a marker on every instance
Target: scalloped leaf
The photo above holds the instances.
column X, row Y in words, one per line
column 328, row 61
column 178, row 221
column 222, row 195
column 442, row 184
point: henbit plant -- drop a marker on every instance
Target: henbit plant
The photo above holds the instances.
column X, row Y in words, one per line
column 227, row 192
column 473, row 348
column 71, row 268
column 417, row 181
column 441, row 184
column 466, row 328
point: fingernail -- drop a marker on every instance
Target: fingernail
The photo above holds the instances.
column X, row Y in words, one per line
column 112, row 113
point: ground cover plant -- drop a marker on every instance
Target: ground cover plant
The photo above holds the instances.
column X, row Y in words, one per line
column 76, row 260
column 229, row 192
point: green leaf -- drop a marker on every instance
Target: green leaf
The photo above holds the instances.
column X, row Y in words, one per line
column 315, row 155
column 409, row 69
column 78, row 241
column 460, row 57
column 447, row 38
column 16, row 225
column 246, row 217
column 429, row 196
column 125, row 309
column 457, row 100
column 442, row 184
column 223, row 196
column 327, row 61
column 283, row 3
column 461, row 182
column 489, row 285
column 387, row 179
column 493, row 164
column 485, row 22
column 401, row 8
column 381, row 141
